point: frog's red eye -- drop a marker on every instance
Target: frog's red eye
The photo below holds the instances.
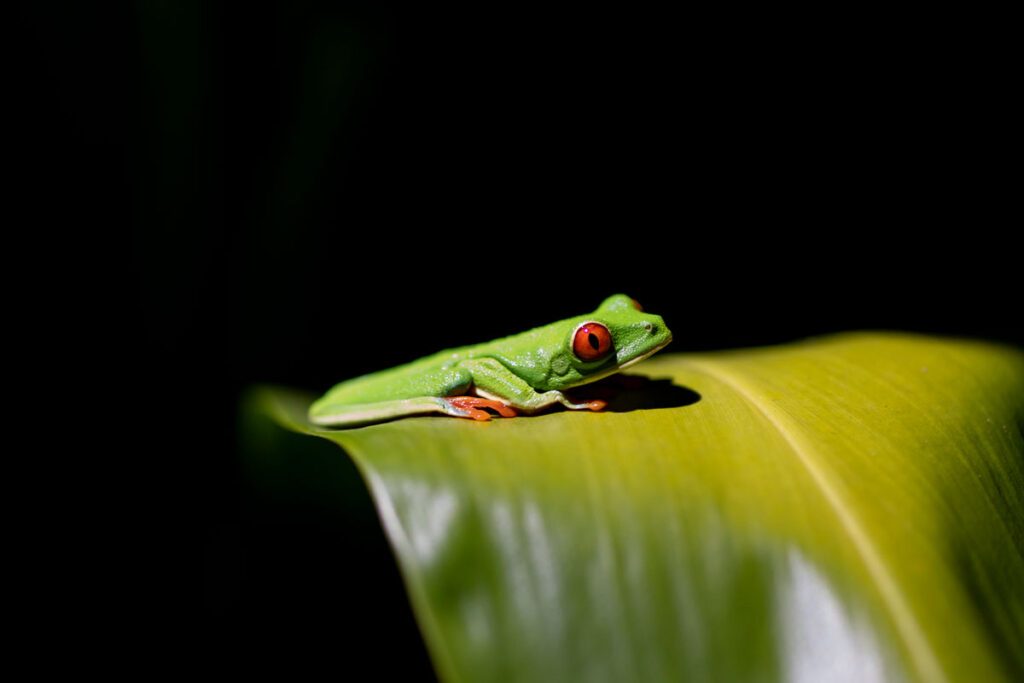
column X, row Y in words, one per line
column 592, row 341
column 636, row 305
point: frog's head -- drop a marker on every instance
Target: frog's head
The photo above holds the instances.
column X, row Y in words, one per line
column 615, row 336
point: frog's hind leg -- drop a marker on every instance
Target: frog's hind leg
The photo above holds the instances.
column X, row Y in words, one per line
column 358, row 414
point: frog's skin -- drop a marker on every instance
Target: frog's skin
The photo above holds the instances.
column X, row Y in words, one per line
column 526, row 372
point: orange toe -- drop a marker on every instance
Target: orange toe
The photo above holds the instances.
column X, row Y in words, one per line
column 472, row 405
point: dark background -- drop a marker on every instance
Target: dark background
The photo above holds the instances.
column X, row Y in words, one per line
column 299, row 193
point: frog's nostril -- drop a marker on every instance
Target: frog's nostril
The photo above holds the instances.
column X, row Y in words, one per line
column 650, row 327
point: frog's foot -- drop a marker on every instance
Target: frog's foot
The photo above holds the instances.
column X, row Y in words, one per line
column 595, row 405
column 469, row 406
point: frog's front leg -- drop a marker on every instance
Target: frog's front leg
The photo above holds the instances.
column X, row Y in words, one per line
column 494, row 381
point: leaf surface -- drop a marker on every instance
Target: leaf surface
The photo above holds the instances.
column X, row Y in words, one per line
column 849, row 508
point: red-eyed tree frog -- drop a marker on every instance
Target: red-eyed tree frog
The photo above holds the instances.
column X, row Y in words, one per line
column 523, row 373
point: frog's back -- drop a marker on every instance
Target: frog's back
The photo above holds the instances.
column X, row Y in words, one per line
column 437, row 375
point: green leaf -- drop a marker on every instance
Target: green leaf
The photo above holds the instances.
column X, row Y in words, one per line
column 850, row 508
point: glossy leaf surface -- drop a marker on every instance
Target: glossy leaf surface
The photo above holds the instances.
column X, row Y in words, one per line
column 850, row 508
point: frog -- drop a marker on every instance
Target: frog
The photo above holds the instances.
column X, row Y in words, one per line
column 522, row 374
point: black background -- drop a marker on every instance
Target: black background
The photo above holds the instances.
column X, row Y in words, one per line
column 299, row 193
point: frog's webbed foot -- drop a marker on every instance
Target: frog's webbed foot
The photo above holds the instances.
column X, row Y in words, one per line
column 469, row 406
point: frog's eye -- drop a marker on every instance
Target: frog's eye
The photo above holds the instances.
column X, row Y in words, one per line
column 636, row 305
column 592, row 341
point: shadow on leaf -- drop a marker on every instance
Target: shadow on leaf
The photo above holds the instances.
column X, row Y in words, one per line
column 626, row 393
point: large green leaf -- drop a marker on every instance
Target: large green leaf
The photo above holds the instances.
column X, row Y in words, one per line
column 842, row 509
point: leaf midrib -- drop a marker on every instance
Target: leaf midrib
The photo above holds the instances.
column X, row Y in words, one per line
column 925, row 662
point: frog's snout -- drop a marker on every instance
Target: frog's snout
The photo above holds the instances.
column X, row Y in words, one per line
column 655, row 331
